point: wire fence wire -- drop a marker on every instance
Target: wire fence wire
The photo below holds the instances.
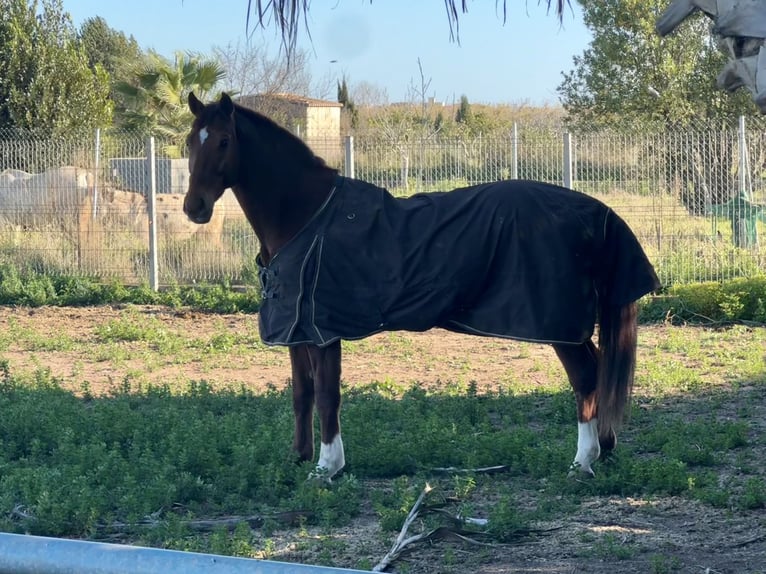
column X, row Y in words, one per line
column 79, row 206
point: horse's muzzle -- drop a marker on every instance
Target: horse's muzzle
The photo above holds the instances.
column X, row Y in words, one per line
column 198, row 211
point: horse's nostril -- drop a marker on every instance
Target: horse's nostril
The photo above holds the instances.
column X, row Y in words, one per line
column 192, row 206
column 197, row 210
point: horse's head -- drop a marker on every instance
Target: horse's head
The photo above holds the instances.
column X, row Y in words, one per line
column 213, row 156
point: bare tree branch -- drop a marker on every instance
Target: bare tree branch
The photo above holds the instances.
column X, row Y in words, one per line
column 456, row 532
column 450, row 470
column 402, row 541
column 251, row 69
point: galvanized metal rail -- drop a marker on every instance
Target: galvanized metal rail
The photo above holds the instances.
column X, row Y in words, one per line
column 20, row 554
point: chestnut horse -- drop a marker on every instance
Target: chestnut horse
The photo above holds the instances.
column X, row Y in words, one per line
column 517, row 259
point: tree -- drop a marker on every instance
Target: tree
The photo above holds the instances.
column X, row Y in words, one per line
column 343, row 96
column 46, row 82
column 463, row 113
column 471, row 123
column 115, row 52
column 112, row 50
column 155, row 96
column 349, row 108
column 406, row 128
column 251, row 69
column 367, row 94
column 629, row 75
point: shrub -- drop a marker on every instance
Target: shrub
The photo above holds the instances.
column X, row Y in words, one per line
column 34, row 289
column 729, row 301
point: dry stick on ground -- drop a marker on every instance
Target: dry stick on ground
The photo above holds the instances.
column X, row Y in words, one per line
column 749, row 541
column 454, row 532
column 401, row 542
column 483, row 470
column 442, row 532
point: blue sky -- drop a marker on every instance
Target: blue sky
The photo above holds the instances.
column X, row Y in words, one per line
column 520, row 62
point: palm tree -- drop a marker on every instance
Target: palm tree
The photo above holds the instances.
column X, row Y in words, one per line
column 289, row 15
column 155, row 97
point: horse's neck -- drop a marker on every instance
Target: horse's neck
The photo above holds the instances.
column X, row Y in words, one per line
column 278, row 210
column 277, row 197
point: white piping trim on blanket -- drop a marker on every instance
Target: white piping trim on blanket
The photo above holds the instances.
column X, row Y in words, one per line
column 314, row 290
column 300, row 292
column 324, row 344
column 470, row 331
column 606, row 217
column 309, row 222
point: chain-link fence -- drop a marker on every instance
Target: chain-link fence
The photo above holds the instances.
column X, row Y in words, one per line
column 695, row 198
column 94, row 219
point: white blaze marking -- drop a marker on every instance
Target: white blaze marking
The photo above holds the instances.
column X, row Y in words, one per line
column 588, row 449
column 331, row 458
column 203, row 136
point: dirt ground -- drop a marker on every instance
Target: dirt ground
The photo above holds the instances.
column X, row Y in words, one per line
column 431, row 357
column 672, row 534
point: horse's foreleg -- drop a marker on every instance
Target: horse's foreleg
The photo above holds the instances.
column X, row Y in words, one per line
column 581, row 364
column 303, row 402
column 325, row 364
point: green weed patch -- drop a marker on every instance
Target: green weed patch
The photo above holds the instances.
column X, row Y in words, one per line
column 71, row 466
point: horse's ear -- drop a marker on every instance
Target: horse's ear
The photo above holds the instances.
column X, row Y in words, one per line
column 195, row 105
column 227, row 106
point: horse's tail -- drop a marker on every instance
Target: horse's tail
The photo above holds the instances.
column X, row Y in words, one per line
column 616, row 365
column 625, row 275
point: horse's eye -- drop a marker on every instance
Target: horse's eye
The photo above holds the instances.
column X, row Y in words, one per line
column 223, row 143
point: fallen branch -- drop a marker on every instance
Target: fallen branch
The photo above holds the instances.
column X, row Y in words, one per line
column 20, row 512
column 484, row 470
column 460, row 521
column 456, row 532
column 444, row 533
column 749, row 541
column 401, row 542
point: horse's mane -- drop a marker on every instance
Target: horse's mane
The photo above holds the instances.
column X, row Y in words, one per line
column 263, row 128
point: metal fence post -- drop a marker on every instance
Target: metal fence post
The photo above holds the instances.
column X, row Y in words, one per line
column 515, row 152
column 568, row 173
column 349, row 165
column 743, row 214
column 95, row 173
column 743, row 163
column 152, row 213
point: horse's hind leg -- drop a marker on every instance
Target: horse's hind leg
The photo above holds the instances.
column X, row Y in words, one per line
column 325, row 366
column 581, row 365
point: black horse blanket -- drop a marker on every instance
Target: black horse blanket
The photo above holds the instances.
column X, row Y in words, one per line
column 517, row 259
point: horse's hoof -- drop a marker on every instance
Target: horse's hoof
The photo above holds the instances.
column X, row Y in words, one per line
column 577, row 471
column 320, row 475
column 318, row 479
